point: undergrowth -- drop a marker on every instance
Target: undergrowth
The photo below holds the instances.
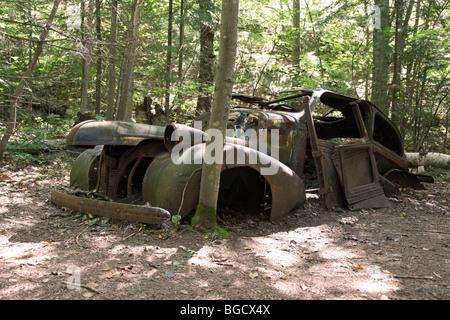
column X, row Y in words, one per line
column 29, row 143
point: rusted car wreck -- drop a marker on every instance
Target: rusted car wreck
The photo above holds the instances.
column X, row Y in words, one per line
column 343, row 148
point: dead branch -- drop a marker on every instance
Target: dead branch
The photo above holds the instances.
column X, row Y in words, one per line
column 414, row 277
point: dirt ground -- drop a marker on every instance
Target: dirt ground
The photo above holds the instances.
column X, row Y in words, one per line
column 51, row 253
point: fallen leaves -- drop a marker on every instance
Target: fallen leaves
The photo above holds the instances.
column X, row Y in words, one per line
column 305, row 262
column 5, row 177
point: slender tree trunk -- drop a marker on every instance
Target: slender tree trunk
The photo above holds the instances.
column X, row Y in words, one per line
column 13, row 108
column 205, row 216
column 87, row 49
column 98, row 79
column 445, row 146
column 396, row 65
column 206, row 75
column 206, row 60
column 30, row 36
column 125, row 98
column 380, row 57
column 366, row 72
column 418, row 110
column 411, row 82
column 169, row 61
column 421, row 72
column 110, row 111
column 180, row 78
column 32, row 18
column 402, row 15
column 181, row 41
column 296, row 46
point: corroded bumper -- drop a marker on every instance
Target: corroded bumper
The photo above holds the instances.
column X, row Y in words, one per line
column 115, row 210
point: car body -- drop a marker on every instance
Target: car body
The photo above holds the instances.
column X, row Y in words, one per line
column 341, row 147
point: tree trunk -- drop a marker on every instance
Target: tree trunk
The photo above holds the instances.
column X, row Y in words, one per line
column 396, row 63
column 87, row 49
column 98, row 79
column 402, row 16
column 112, row 62
column 367, row 72
column 169, row 62
column 181, row 41
column 430, row 159
column 411, row 74
column 205, row 215
column 125, row 97
column 445, row 146
column 206, row 60
column 296, row 46
column 13, row 108
column 380, row 56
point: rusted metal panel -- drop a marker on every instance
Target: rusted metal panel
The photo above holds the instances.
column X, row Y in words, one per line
column 179, row 194
column 115, row 210
column 286, row 187
column 404, row 179
column 121, row 172
column 172, row 186
column 84, row 174
column 91, row 133
column 330, row 191
column 359, row 176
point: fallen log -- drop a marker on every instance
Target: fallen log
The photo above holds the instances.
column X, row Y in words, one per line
column 46, row 146
column 430, row 159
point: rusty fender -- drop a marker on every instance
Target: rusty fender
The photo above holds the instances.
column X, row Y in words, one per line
column 179, row 194
column 92, row 133
column 115, row 210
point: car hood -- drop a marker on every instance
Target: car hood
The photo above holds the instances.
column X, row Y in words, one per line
column 92, row 133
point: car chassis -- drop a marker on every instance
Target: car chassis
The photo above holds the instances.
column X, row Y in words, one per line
column 345, row 148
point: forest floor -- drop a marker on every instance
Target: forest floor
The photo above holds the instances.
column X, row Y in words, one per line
column 397, row 253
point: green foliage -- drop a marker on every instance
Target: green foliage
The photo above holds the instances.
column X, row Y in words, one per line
column 91, row 220
column 40, row 128
column 336, row 53
column 22, row 159
column 30, row 138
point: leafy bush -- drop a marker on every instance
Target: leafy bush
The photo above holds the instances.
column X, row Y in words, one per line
column 32, row 132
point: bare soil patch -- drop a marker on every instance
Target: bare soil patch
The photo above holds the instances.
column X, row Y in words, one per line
column 400, row 253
